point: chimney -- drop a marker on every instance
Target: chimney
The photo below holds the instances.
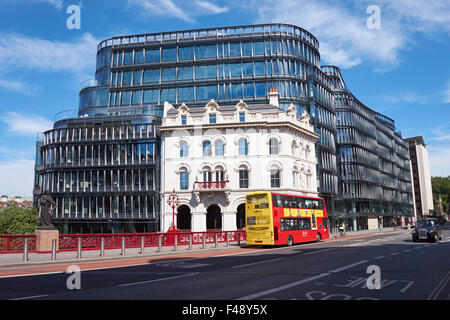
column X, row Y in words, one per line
column 273, row 97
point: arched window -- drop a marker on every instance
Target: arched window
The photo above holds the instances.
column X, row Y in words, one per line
column 243, row 147
column 307, row 152
column 220, row 173
column 219, row 148
column 184, row 149
column 207, row 152
column 295, row 177
column 207, row 174
column 243, row 176
column 184, row 179
column 275, row 174
column 294, row 148
column 273, row 146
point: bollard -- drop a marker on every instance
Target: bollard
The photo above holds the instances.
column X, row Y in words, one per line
column 123, row 247
column 228, row 240
column 79, row 249
column 102, row 247
column 25, row 250
column 239, row 239
column 216, row 244
column 159, row 243
column 175, row 245
column 142, row 245
column 204, row 241
column 190, row 242
column 53, row 249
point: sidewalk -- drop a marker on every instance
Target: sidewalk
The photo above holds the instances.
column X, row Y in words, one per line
column 67, row 257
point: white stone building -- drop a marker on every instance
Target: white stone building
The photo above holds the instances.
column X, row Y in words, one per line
column 212, row 156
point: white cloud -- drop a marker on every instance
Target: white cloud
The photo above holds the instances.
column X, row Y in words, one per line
column 211, row 7
column 162, row 7
column 20, row 86
column 21, row 52
column 342, row 32
column 25, row 125
column 16, row 177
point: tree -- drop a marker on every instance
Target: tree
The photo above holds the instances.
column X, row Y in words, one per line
column 441, row 188
column 15, row 220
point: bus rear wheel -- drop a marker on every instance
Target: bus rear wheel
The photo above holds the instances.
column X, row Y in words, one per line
column 290, row 241
column 319, row 237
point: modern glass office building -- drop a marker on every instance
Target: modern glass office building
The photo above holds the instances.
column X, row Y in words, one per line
column 136, row 74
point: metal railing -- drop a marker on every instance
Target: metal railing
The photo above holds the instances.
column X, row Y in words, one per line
column 12, row 243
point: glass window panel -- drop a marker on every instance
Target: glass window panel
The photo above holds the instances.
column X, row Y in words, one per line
column 243, row 147
column 152, row 56
column 203, row 72
column 247, row 68
column 186, row 53
column 184, row 149
column 126, row 78
column 168, row 95
column 169, row 54
column 260, row 68
column 247, row 48
column 207, row 51
column 125, row 100
column 206, row 92
column 235, row 70
column 235, row 49
column 139, row 57
column 258, row 48
column 207, row 148
column 185, row 73
column 184, row 180
column 169, row 74
column 219, row 148
column 151, row 96
column 128, row 58
column 137, row 77
column 151, row 75
column 185, row 94
column 261, row 90
column 249, row 90
column 137, row 97
column 236, row 91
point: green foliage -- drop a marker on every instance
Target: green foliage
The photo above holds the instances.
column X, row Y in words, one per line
column 15, row 220
column 441, row 186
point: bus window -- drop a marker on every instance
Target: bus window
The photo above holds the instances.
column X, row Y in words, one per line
column 300, row 203
column 308, row 203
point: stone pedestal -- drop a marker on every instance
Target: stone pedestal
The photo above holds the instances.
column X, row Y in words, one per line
column 44, row 239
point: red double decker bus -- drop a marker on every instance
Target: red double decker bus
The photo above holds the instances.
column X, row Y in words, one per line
column 283, row 219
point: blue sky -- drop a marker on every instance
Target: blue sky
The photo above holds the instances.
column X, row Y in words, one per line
column 401, row 69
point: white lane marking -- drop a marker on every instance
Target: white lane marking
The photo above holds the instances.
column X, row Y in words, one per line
column 253, row 263
column 418, row 248
column 394, row 253
column 407, row 250
column 156, row 280
column 441, row 285
column 379, row 257
column 31, row 297
column 318, row 251
column 349, row 266
column 281, row 288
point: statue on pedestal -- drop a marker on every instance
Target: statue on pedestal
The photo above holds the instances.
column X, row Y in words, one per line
column 46, row 211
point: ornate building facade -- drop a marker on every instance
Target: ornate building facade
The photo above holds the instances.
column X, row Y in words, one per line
column 213, row 155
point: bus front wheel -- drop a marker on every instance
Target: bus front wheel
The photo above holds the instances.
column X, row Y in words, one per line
column 290, row 241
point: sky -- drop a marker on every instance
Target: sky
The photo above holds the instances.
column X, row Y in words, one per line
column 394, row 59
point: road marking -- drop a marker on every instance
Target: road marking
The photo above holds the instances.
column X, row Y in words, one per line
column 318, row 251
column 156, row 280
column 418, row 248
column 281, row 288
column 407, row 250
column 379, row 257
column 31, row 297
column 349, row 266
column 253, row 263
column 394, row 253
column 441, row 285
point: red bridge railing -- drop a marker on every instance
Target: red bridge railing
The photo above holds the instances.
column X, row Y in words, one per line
column 69, row 242
column 13, row 243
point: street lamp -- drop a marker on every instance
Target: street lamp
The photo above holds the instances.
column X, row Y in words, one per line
column 173, row 201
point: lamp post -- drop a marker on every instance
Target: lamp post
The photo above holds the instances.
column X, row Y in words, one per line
column 173, row 201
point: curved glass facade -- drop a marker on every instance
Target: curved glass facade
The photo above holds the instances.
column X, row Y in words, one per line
column 136, row 74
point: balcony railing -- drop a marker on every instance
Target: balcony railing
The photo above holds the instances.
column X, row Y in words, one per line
column 211, row 185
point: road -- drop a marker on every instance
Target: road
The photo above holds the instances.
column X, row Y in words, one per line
column 335, row 270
